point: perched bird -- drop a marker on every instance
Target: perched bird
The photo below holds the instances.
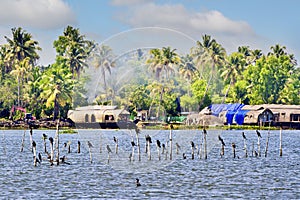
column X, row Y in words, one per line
column 192, row 143
column 138, row 184
column 183, row 156
column 158, row 143
column 148, row 138
column 244, row 136
column 44, row 136
column 108, row 149
column 233, row 145
column 132, row 143
column 89, row 144
column 115, row 139
column 40, row 157
column 177, row 145
column 258, row 133
column 51, row 140
column 222, row 141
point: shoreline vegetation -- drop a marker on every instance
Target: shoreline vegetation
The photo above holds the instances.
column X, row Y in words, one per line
column 161, row 82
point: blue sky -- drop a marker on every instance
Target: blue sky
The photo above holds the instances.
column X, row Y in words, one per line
column 178, row 23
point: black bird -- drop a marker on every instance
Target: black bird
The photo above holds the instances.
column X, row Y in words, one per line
column 158, row 143
column 184, row 156
column 222, row 141
column 148, row 138
column 233, row 145
column 115, row 139
column 132, row 143
column 44, row 136
column 177, row 145
column 89, row 144
column 204, row 131
column 33, row 144
column 163, row 146
column 51, row 140
column 40, row 157
column 108, row 149
column 192, row 143
column 258, row 133
column 138, row 184
column 244, row 136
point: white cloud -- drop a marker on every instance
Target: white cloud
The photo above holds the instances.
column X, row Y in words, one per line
column 127, row 2
column 228, row 32
column 43, row 14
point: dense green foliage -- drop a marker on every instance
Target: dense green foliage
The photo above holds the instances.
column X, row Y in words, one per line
column 161, row 77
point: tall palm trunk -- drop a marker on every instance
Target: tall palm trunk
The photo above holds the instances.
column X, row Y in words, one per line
column 227, row 91
column 56, row 109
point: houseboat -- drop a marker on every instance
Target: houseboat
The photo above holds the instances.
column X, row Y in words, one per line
column 100, row 117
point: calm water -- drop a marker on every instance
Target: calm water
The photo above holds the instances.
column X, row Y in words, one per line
column 113, row 176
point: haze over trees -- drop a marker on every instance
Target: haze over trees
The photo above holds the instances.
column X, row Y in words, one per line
column 158, row 80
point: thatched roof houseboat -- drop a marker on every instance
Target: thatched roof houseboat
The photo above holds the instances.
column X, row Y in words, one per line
column 100, row 117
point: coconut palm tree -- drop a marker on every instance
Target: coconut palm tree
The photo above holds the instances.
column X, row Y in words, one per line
column 209, row 51
column 277, row 50
column 187, row 68
column 74, row 49
column 235, row 64
column 20, row 72
column 21, row 46
column 57, row 87
column 104, row 60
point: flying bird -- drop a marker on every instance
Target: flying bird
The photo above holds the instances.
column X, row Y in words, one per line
column 222, row 141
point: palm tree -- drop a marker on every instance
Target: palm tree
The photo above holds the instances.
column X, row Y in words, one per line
column 21, row 46
column 57, row 87
column 209, row 51
column 277, row 50
column 233, row 69
column 74, row 49
column 255, row 55
column 104, row 59
column 20, row 72
column 187, row 68
column 163, row 60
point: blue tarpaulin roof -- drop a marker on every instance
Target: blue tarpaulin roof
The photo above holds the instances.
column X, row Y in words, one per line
column 217, row 108
column 240, row 116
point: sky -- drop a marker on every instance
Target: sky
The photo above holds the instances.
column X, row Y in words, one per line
column 126, row 25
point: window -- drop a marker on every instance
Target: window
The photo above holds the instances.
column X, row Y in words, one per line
column 93, row 118
column 86, row 118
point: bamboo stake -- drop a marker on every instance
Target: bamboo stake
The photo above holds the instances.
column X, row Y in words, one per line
column 267, row 144
column 52, row 150
column 90, row 152
column 193, row 150
column 148, row 140
column 108, row 152
column 252, row 148
column 78, row 146
column 233, row 149
column 258, row 142
column 23, row 140
column 30, row 136
column 177, row 148
column 205, row 144
column 117, row 145
column 57, row 142
column 44, row 139
column 245, row 145
column 280, row 142
column 34, row 153
column 132, row 146
column 222, row 146
column 138, row 143
column 158, row 148
column 163, row 148
column 170, row 139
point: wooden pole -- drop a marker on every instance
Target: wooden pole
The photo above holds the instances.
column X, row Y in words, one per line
column 78, row 146
column 280, row 142
column 148, row 140
column 233, row 149
column 267, row 144
column 258, row 142
column 132, row 151
column 252, row 148
column 245, row 145
column 30, row 137
column 34, row 153
column 205, row 144
column 90, row 152
column 138, row 143
column 57, row 142
column 170, row 139
column 116, row 145
column 69, row 147
column 44, row 139
column 177, row 148
column 23, row 140
column 222, row 146
column 158, row 146
column 52, row 150
column 108, row 152
column 193, row 150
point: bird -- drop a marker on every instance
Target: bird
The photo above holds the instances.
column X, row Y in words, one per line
column 177, row 145
column 222, row 141
column 148, row 138
column 258, row 133
column 40, row 157
column 138, row 184
column 132, row 143
column 158, row 143
column 233, row 145
column 244, row 136
column 184, row 156
column 44, row 136
column 89, row 144
column 51, row 140
column 108, row 149
column 192, row 143
column 115, row 139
